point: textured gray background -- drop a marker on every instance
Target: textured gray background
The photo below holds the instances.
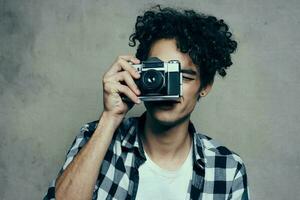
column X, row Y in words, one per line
column 53, row 54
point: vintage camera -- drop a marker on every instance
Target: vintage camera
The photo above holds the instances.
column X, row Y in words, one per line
column 159, row 80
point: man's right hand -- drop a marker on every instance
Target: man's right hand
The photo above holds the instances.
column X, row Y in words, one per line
column 117, row 81
column 74, row 183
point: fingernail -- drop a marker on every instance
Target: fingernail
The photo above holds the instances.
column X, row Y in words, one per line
column 137, row 91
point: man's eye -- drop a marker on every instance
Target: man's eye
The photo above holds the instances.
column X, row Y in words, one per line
column 187, row 78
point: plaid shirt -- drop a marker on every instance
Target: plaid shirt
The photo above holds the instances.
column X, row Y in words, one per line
column 218, row 173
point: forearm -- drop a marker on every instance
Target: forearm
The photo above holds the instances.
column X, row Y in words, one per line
column 79, row 178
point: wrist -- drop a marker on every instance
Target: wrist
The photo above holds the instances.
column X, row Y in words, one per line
column 110, row 119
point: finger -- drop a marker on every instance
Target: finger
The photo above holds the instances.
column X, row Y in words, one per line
column 125, row 76
column 128, row 92
column 128, row 67
column 122, row 64
column 115, row 88
column 130, row 58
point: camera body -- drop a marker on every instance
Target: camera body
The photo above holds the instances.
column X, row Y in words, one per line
column 159, row 80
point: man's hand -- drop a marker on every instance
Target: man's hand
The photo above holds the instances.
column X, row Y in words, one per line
column 79, row 178
column 117, row 81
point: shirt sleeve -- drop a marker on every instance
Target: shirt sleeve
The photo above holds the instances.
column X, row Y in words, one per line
column 80, row 140
column 240, row 189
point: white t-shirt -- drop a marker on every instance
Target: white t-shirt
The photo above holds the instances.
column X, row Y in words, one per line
column 160, row 184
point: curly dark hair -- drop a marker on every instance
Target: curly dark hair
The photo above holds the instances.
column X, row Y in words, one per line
column 205, row 38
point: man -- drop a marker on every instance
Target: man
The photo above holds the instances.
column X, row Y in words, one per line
column 158, row 155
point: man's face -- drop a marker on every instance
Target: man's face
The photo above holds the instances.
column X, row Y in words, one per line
column 172, row 113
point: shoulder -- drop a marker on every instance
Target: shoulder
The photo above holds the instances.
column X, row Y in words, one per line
column 212, row 149
column 225, row 166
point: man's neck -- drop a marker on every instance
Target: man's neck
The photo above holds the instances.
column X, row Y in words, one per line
column 168, row 146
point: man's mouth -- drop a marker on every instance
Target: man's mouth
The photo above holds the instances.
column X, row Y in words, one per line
column 168, row 103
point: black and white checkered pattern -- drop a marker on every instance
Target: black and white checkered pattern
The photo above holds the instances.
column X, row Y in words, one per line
column 218, row 173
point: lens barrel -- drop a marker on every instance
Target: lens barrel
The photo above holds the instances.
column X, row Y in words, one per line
column 152, row 80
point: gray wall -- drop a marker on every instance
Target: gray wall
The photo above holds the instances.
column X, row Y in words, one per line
column 54, row 53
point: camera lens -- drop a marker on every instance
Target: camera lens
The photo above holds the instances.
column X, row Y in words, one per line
column 152, row 80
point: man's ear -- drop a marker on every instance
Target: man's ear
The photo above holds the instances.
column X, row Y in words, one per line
column 205, row 91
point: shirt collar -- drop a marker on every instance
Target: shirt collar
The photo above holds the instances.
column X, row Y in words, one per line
column 132, row 141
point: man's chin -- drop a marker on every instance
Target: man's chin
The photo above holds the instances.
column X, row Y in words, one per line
column 165, row 116
column 162, row 116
